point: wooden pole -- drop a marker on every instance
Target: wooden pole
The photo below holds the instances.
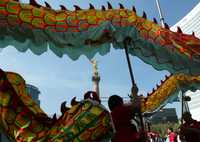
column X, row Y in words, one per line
column 182, row 105
column 134, row 86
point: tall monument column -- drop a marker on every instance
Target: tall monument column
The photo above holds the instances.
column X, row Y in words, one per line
column 95, row 77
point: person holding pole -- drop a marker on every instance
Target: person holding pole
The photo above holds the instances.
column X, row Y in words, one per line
column 190, row 129
column 122, row 115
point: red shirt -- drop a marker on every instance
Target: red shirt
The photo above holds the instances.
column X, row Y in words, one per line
column 172, row 137
column 190, row 136
column 125, row 131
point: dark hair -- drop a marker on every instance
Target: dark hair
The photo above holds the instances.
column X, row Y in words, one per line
column 187, row 114
column 171, row 129
column 114, row 101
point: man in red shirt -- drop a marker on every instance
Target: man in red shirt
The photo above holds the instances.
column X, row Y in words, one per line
column 122, row 114
column 190, row 129
column 172, row 136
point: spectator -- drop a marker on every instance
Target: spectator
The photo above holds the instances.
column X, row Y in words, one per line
column 171, row 135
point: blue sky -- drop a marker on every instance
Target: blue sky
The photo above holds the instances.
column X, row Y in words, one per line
column 60, row 79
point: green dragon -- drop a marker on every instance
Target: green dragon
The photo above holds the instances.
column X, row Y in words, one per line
column 86, row 32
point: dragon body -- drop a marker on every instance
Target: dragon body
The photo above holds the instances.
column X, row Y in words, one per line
column 87, row 32
column 168, row 90
column 24, row 121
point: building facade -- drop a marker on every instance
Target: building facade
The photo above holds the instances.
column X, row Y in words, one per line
column 191, row 23
column 34, row 93
column 164, row 115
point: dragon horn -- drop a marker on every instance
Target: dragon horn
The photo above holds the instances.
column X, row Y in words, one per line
column 34, row 3
column 63, row 107
column 91, row 6
column 155, row 21
column 87, row 95
column 47, row 5
column 109, row 5
column 74, row 102
column 63, row 7
column 77, row 7
column 144, row 15
column 121, row 6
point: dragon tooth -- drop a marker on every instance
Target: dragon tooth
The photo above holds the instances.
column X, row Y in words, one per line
column 121, row 6
column 166, row 77
column 193, row 34
column 134, row 9
column 91, row 6
column 63, row 107
column 63, row 7
column 144, row 15
column 54, row 117
column 47, row 5
column 166, row 26
column 109, row 5
column 179, row 30
column 155, row 21
column 77, row 7
column 103, row 8
column 34, row 3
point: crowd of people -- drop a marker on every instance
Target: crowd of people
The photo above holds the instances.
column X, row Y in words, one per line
column 127, row 126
